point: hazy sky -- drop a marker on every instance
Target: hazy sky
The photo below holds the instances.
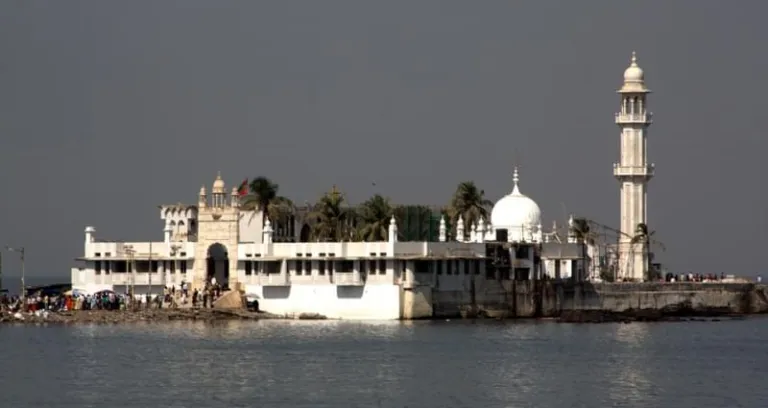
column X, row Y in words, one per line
column 110, row 108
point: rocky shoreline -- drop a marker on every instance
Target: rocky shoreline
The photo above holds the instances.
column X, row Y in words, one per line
column 218, row 315
column 647, row 315
column 150, row 315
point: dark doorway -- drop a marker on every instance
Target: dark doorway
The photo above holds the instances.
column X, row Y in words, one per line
column 218, row 265
column 304, row 235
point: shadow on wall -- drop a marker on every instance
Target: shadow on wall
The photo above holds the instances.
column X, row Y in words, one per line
column 350, row 292
column 276, row 292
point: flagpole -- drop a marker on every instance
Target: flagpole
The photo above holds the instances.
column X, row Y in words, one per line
column 149, row 301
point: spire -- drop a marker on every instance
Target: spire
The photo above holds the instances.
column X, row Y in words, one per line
column 634, row 59
column 516, row 181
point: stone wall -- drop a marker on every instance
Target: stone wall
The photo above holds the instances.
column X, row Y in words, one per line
column 505, row 298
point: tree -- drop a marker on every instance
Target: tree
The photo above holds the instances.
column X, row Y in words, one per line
column 263, row 196
column 584, row 236
column 373, row 218
column 330, row 218
column 643, row 236
column 470, row 203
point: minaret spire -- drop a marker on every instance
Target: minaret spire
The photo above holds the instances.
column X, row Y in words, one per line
column 516, row 181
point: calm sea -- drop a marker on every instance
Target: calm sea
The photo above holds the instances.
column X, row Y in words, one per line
column 394, row 364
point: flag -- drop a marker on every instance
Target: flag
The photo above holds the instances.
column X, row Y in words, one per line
column 243, row 189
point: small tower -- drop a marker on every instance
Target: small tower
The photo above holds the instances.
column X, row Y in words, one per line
column 460, row 229
column 267, row 231
column 480, row 231
column 202, row 200
column 167, row 233
column 234, row 198
column 633, row 170
column 572, row 238
column 392, row 229
column 89, row 234
column 218, row 192
column 443, row 230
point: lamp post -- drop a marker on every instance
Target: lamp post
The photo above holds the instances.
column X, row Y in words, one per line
column 174, row 256
column 128, row 249
column 22, row 253
column 149, row 301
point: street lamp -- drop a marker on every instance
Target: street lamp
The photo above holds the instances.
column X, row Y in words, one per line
column 128, row 249
column 21, row 252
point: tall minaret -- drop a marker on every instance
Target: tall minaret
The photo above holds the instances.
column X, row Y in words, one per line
column 633, row 172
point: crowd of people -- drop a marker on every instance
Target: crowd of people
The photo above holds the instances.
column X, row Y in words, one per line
column 172, row 297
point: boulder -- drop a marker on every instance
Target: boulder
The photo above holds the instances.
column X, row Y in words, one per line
column 230, row 300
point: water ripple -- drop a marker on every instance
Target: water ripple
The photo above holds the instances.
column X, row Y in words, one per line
column 386, row 364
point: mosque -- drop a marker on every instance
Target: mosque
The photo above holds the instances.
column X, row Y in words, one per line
column 274, row 262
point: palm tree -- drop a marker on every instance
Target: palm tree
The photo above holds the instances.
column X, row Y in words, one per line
column 373, row 217
column 263, row 197
column 470, row 203
column 584, row 236
column 331, row 218
column 642, row 235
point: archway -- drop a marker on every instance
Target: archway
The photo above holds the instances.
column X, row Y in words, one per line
column 304, row 234
column 218, row 265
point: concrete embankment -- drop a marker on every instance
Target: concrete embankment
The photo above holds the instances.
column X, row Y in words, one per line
column 587, row 302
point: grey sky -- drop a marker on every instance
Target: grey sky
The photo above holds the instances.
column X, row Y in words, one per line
column 109, row 108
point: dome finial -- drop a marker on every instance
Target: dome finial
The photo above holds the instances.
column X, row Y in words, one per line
column 516, row 181
column 634, row 58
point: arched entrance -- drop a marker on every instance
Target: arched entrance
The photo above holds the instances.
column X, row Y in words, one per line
column 305, row 233
column 218, row 265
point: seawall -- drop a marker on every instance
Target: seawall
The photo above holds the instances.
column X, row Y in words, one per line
column 584, row 301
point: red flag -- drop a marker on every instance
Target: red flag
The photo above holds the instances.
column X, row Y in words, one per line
column 243, row 189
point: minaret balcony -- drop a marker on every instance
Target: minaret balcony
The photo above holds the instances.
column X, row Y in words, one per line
column 629, row 118
column 620, row 171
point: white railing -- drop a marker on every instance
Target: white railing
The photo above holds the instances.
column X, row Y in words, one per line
column 634, row 117
column 619, row 170
column 274, row 279
column 348, row 279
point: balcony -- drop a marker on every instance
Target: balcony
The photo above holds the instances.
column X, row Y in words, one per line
column 622, row 118
column 348, row 279
column 274, row 279
column 633, row 171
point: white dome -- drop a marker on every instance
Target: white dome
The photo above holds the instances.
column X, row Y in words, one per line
column 218, row 185
column 516, row 213
column 634, row 73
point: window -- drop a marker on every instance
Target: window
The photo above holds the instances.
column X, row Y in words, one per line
column 97, row 267
column 248, row 268
column 421, row 266
column 362, row 266
column 321, row 267
column 271, row 267
column 490, row 271
column 299, row 267
column 449, row 267
column 439, row 267
column 346, row 266
column 382, row 267
column 372, row 266
column 183, row 267
column 153, row 266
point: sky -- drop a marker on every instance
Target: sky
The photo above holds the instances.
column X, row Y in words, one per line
column 111, row 108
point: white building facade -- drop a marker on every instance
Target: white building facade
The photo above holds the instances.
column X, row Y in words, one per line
column 371, row 280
